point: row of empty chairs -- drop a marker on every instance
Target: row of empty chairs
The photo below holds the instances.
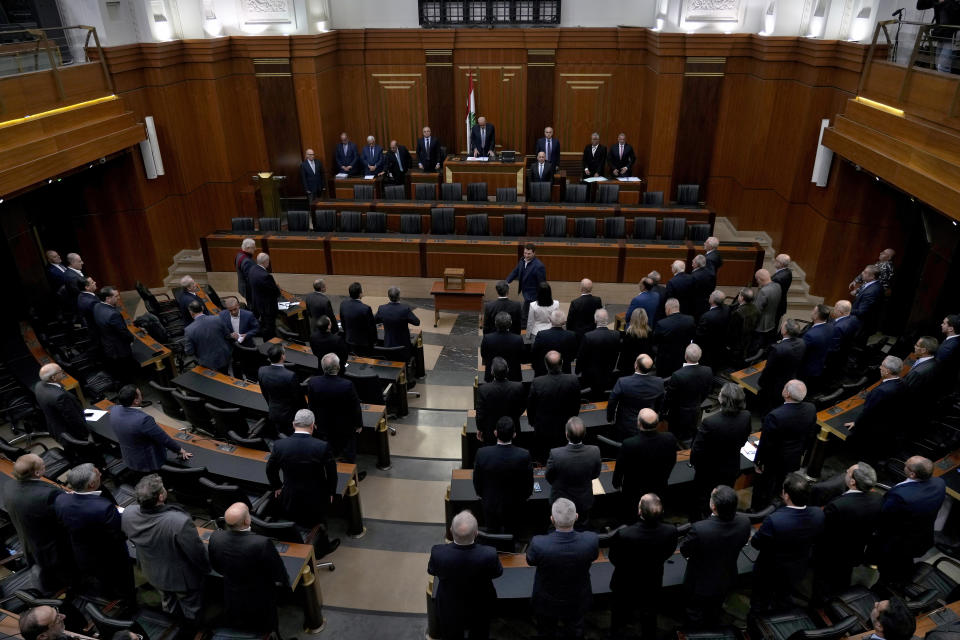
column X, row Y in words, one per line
column 687, row 194
column 443, row 222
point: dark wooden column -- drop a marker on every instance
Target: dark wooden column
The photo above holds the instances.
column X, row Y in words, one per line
column 281, row 127
column 541, row 64
column 697, row 126
column 441, row 109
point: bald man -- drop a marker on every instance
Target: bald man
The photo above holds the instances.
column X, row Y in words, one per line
column 580, row 316
column 644, row 463
column 265, row 293
column 312, row 176
column 768, row 301
column 252, row 570
column 56, row 271
column 61, row 409
column 554, row 398
column 642, row 390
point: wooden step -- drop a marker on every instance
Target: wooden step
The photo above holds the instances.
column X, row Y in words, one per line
column 31, row 130
column 935, row 140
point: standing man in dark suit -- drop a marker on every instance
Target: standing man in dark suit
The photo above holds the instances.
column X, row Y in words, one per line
column 397, row 164
column 704, row 283
column 630, row 394
column 783, row 362
column 209, row 339
column 846, row 328
column 644, row 463
column 142, row 442
column 712, row 547
column 572, row 469
column 186, row 295
column 597, row 357
column 907, row 518
column 347, row 157
column 501, row 303
column 868, row 304
column 115, row 338
column 622, row 158
column 637, row 554
column 561, row 586
column 783, row 276
column 73, row 277
column 922, row 381
column 428, row 152
column 710, row 252
column 648, row 299
column 86, row 301
column 312, row 176
column 768, row 299
column 252, row 570
column 580, row 315
column 594, row 157
column 309, row 478
column 786, row 434
column 464, row 589
column 541, row 170
column 671, row 336
column 483, row 139
column 873, row 433
column 281, row 389
column 711, row 332
column 56, row 272
column 496, row 399
column 323, row 342
column 682, row 287
column 318, row 304
column 243, row 262
column 61, row 409
column 99, row 546
column 396, row 318
column 785, row 541
column 556, row 338
column 29, row 502
column 715, row 453
column 741, row 329
column 529, row 273
column 239, row 323
column 502, row 344
column 948, row 353
column 503, row 478
column 554, row 399
column 371, row 157
column 336, row 406
column 686, row 390
column 359, row 327
column 817, row 339
column 550, row 147
column 265, row 293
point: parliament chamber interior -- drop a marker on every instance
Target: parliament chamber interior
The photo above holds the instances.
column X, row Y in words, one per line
column 480, row 318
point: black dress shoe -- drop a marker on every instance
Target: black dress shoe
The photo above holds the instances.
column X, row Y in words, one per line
column 361, row 475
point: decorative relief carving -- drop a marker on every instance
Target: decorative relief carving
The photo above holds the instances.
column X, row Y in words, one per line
column 267, row 11
column 711, row 11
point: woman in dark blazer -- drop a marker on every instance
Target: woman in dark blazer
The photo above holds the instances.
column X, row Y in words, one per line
column 636, row 339
column 715, row 454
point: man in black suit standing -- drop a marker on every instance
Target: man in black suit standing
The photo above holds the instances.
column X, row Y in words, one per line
column 921, row 382
column 948, row 353
column 86, row 301
column 712, row 548
column 243, row 261
column 265, row 294
column 622, row 158
column 630, row 394
column 318, row 304
column 502, row 344
column 281, row 390
column 61, row 409
column 681, row 286
column 783, row 362
column 528, row 273
column 644, row 463
column 323, row 342
column 580, row 316
column 704, row 283
column 496, row 399
column 572, row 469
column 73, row 278
column 501, row 303
column 550, row 147
column 686, row 389
column 347, row 157
column 597, row 357
column 143, row 444
column 872, row 434
column 786, row 434
column 868, row 304
column 594, row 157
column 817, row 339
column 115, row 338
column 186, row 295
column 637, row 554
column 483, row 139
column 541, row 170
column 465, row 572
column 428, row 152
column 741, row 329
column 252, row 570
column 554, row 399
column 397, row 164
column 359, row 327
column 503, row 478
column 396, row 318
column 336, row 407
column 556, row 338
column 309, row 478
column 312, row 176
column 783, row 276
column 671, row 336
column 711, row 332
column 714, row 259
column 715, row 452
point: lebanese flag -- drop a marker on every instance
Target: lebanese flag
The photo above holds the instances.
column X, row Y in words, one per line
column 471, row 109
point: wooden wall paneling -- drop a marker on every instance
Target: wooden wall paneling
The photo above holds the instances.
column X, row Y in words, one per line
column 350, row 83
column 646, row 110
column 330, row 115
column 490, row 259
column 397, row 104
column 669, row 90
column 585, row 97
column 442, row 104
column 541, row 70
column 396, row 257
column 280, row 122
column 697, row 124
column 499, row 84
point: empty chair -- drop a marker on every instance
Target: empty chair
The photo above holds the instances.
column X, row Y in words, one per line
column 230, row 419
column 410, row 223
column 451, row 191
column 674, row 229
column 615, row 227
column 699, row 232
column 478, row 225
column 688, row 194
column 298, row 221
column 394, row 192
column 376, row 222
column 645, row 228
column 514, row 225
column 324, row 220
column 502, row 542
column 241, row 224
column 575, row 193
column 608, row 193
column 250, row 359
column 221, row 496
column 184, row 483
column 506, row 194
column 441, row 221
column 195, row 411
column 555, row 226
column 363, row 192
column 350, row 221
column 54, row 461
column 213, row 295
column 540, row 192
column 425, row 191
column 269, row 224
column 799, row 625
column 477, row 192
column 366, row 382
column 168, row 403
column 653, row 198
column 585, row 227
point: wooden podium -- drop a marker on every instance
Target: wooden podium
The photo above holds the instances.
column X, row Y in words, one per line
column 495, row 174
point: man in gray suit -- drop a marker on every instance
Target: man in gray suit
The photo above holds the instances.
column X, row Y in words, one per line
column 209, row 339
column 571, row 470
column 169, row 551
column 768, row 300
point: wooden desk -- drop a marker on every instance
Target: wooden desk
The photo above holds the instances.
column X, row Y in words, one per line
column 749, row 378
column 42, row 357
column 495, row 174
column 211, row 308
column 630, row 190
column 469, row 298
column 375, row 254
column 343, row 187
column 148, row 351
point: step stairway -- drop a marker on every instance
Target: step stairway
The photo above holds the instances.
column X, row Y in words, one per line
column 188, row 262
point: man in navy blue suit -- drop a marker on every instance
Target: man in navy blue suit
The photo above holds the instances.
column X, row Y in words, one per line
column 786, row 434
column 281, row 390
column 312, row 177
column 396, row 318
column 529, row 273
column 783, row 362
column 630, row 394
column 240, row 323
column 648, row 299
column 872, row 433
column 371, row 157
column 817, row 340
column 115, row 338
column 209, row 339
column 464, row 589
column 336, row 407
column 186, row 295
column 948, row 353
column 561, row 586
column 503, row 478
column 347, row 157
column 359, row 327
column 846, row 327
column 869, row 302
column 86, row 301
column 550, row 147
column 504, row 344
column 142, row 442
column 923, row 381
column 483, row 139
column 621, row 158
column 906, row 520
column 428, row 151
column 785, row 541
column 56, row 271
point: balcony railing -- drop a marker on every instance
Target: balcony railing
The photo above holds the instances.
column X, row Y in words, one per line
column 914, row 45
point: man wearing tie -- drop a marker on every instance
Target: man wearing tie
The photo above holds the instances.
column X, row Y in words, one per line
column 428, row 151
column 372, row 157
column 311, row 176
column 622, row 158
column 542, row 171
column 397, row 164
column 483, row 140
column 594, row 157
column 347, row 157
column 550, row 146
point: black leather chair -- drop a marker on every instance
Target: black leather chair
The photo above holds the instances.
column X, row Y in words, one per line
column 615, row 227
column 585, row 228
column 363, row 192
column 376, row 222
column 424, row 191
column 220, row 496
column 653, row 198
column 540, row 192
column 410, row 223
column 269, row 224
column 168, row 403
column 514, row 225
column 645, row 228
column 688, row 195
column 718, row 633
column 350, row 221
column 451, row 191
column 324, row 220
column 858, row 601
column 241, row 224
column 502, row 542
column 798, row 625
column 298, row 220
column 213, row 295
column 184, row 483
column 575, row 193
column 555, row 226
column 227, row 419
column 54, row 460
column 477, row 192
column 195, row 410
column 929, row 576
column 251, row 359
column 394, row 192
column 699, row 232
column 478, row 225
column 367, row 384
column 441, row 221
column 674, row 229
column 506, row 194
column 608, row 193
column 287, row 531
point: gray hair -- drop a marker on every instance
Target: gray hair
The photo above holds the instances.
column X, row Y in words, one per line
column 892, row 363
column 557, row 317
column 330, row 364
column 672, row 304
column 371, row 139
column 678, row 267
column 732, row 398
column 263, row 259
column 248, row 243
column 601, row 317
column 81, row 476
column 393, row 293
column 303, row 419
column 185, row 281
column 464, row 528
column 48, row 371
column 564, row 513
column 149, row 489
column 795, row 390
column 699, row 260
column 717, row 297
column 692, row 353
column 711, row 243
column 864, row 476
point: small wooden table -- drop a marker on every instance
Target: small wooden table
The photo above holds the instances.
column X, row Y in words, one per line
column 470, row 298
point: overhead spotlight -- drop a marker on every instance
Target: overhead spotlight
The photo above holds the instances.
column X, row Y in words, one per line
column 90, row 167
column 877, row 178
column 1, row 200
column 50, row 181
column 952, row 221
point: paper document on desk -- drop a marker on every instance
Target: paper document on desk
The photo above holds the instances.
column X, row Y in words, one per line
column 477, row 159
column 749, row 451
column 629, row 179
column 283, row 306
column 369, row 177
column 92, row 415
column 595, row 179
column 341, row 175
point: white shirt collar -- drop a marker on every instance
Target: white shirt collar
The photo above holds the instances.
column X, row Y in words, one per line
column 790, row 506
column 852, row 491
column 924, row 359
column 75, row 270
column 689, row 364
column 817, row 324
column 950, row 337
column 88, row 493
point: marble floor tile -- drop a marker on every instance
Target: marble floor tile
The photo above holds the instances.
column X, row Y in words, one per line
column 403, row 500
column 374, row 580
column 433, row 418
column 415, row 441
column 442, row 396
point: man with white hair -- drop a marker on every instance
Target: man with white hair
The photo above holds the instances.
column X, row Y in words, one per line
column 309, row 478
column 686, row 389
column 561, row 586
column 580, row 316
column 556, row 338
column 465, row 571
column 265, row 292
column 786, row 434
column 597, row 357
column 336, row 405
column 783, row 276
column 846, row 327
column 704, row 283
column 712, row 331
column 681, row 286
column 243, row 261
column 372, row 157
column 186, row 295
column 768, row 299
column 714, row 259
column 883, row 408
column 61, row 409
